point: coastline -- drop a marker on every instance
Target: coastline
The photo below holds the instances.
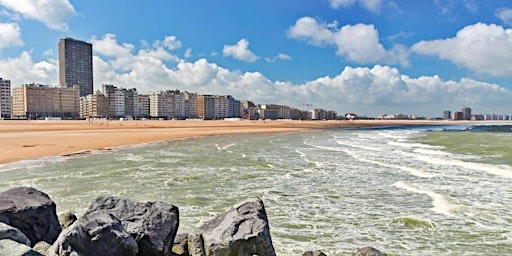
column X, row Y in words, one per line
column 24, row 140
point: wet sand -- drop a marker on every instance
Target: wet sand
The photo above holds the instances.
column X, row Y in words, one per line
column 22, row 140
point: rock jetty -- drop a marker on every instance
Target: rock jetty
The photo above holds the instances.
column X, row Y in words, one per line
column 29, row 226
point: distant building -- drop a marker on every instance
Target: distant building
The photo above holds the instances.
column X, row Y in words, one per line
column 75, row 65
column 34, row 101
column 447, row 115
column 94, row 105
column 466, row 113
column 5, row 98
column 122, row 102
column 191, row 105
column 167, row 104
column 143, row 106
column 206, row 106
column 458, row 115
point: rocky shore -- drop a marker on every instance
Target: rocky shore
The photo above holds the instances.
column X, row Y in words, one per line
column 29, row 226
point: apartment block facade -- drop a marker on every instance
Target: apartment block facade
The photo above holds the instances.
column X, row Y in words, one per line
column 122, row 102
column 94, row 105
column 5, row 98
column 34, row 101
column 75, row 65
column 167, row 104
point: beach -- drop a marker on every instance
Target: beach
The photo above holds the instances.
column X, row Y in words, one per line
column 22, row 140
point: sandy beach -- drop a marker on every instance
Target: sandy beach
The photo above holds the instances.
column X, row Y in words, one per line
column 23, row 140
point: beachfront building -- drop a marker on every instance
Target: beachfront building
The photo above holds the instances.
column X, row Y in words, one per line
column 190, row 105
column 34, row 101
column 205, row 106
column 458, row 115
column 167, row 104
column 466, row 113
column 447, row 115
column 143, row 106
column 75, row 65
column 5, row 98
column 94, row 105
column 122, row 102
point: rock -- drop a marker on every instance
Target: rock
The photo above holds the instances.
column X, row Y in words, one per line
column 180, row 245
column 314, row 253
column 8, row 232
column 32, row 212
column 9, row 247
column 97, row 233
column 242, row 230
column 369, row 251
column 66, row 219
column 42, row 247
column 153, row 224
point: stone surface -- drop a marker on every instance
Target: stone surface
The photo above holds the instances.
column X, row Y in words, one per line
column 41, row 247
column 66, row 219
column 242, row 230
column 32, row 212
column 153, row 224
column 369, row 251
column 180, row 245
column 9, row 247
column 97, row 233
column 314, row 253
column 8, row 232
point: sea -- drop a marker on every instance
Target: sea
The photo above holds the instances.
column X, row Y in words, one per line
column 406, row 190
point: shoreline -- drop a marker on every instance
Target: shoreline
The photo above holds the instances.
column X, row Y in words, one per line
column 26, row 140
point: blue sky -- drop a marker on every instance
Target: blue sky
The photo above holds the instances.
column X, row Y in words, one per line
column 363, row 56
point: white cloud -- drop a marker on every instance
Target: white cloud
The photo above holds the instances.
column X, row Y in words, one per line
column 188, row 53
column 171, row 43
column 52, row 13
column 505, row 15
column 280, row 56
column 374, row 6
column 358, row 43
column 240, row 51
column 480, row 47
column 22, row 69
column 10, row 35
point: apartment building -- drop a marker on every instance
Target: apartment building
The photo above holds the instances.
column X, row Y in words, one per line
column 122, row 102
column 190, row 105
column 34, row 101
column 5, row 98
column 75, row 65
column 94, row 105
column 167, row 104
column 143, row 105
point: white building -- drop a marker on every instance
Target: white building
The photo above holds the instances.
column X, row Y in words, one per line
column 5, row 98
column 167, row 104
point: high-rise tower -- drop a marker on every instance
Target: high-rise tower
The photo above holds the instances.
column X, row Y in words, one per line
column 75, row 64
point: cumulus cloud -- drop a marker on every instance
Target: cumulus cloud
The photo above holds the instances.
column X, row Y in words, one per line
column 280, row 56
column 23, row 69
column 370, row 5
column 52, row 13
column 483, row 48
column 10, row 35
column 505, row 15
column 240, row 51
column 363, row 90
column 358, row 43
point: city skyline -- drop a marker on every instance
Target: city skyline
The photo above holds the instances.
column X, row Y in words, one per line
column 350, row 56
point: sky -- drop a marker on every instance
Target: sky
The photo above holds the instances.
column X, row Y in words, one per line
column 368, row 57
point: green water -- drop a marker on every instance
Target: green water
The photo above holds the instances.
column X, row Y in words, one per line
column 485, row 147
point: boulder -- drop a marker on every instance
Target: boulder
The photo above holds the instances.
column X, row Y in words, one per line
column 180, row 245
column 8, row 232
column 42, row 247
column 153, row 224
column 32, row 212
column 66, row 219
column 314, row 253
column 242, row 230
column 369, row 251
column 97, row 233
column 9, row 247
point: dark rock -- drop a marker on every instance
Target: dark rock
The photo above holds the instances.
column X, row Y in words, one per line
column 97, row 233
column 314, row 253
column 9, row 247
column 32, row 212
column 369, row 251
column 180, row 245
column 242, row 230
column 153, row 224
column 8, row 232
column 42, row 247
column 66, row 219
